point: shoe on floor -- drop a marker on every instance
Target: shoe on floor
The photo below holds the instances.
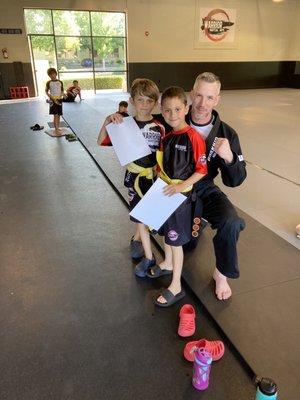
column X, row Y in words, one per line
column 215, row 347
column 169, row 297
column 187, row 317
column 136, row 249
column 142, row 267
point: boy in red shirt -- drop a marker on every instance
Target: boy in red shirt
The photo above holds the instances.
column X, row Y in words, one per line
column 182, row 163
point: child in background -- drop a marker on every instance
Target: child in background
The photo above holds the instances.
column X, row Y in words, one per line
column 122, row 110
column 55, row 91
column 72, row 92
column 182, row 162
column 140, row 173
column 123, row 105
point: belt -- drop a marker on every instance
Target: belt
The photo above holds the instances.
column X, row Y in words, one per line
column 147, row 173
column 165, row 177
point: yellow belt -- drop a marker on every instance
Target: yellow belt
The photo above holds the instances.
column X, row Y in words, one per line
column 147, row 173
column 164, row 176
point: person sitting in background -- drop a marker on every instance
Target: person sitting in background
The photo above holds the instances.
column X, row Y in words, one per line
column 72, row 92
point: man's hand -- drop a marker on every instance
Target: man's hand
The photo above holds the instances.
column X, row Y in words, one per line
column 172, row 189
column 222, row 148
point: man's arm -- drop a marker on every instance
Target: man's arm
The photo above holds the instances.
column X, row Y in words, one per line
column 233, row 166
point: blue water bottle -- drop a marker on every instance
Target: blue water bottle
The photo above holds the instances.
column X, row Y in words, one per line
column 266, row 389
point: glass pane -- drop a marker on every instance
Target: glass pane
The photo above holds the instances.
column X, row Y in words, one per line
column 71, row 23
column 43, row 57
column 38, row 21
column 109, row 54
column 108, row 24
column 111, row 81
column 74, row 53
column 85, row 79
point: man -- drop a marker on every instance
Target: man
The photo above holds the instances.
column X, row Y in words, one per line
column 223, row 153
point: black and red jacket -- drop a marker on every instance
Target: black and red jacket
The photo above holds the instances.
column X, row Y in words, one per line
column 183, row 154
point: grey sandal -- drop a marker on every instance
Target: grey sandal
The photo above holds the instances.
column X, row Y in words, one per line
column 156, row 272
column 170, row 298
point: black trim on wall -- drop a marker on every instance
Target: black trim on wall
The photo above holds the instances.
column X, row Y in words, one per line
column 233, row 75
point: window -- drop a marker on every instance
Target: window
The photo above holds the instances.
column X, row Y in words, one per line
column 86, row 45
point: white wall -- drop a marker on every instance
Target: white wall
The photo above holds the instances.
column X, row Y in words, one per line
column 267, row 31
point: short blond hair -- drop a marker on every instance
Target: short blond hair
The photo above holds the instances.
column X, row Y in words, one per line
column 144, row 87
column 207, row 77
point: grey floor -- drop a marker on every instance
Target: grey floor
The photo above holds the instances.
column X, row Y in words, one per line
column 75, row 322
column 259, row 201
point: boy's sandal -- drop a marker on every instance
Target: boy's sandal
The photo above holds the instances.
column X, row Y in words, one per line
column 169, row 297
column 156, row 272
column 187, row 317
column 215, row 347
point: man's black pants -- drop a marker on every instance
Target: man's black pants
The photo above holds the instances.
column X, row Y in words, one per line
column 222, row 216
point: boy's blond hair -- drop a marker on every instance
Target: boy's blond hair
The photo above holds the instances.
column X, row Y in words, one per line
column 174, row 91
column 144, row 87
column 207, row 77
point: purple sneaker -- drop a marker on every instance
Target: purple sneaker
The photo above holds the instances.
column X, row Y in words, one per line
column 201, row 370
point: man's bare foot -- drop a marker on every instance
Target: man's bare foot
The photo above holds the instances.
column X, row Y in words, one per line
column 222, row 290
column 174, row 289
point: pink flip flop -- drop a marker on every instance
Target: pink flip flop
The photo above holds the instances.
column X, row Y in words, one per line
column 215, row 347
column 187, row 317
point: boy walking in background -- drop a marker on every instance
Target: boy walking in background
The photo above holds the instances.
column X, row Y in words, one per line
column 55, row 91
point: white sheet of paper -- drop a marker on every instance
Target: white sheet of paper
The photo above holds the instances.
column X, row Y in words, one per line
column 155, row 207
column 128, row 141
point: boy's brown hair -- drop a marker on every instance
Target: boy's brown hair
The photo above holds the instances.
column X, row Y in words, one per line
column 174, row 91
column 123, row 104
column 51, row 70
column 144, row 87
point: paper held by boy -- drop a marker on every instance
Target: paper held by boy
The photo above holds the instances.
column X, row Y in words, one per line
column 155, row 207
column 128, row 141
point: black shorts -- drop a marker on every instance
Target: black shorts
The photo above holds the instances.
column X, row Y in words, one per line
column 177, row 230
column 69, row 99
column 55, row 109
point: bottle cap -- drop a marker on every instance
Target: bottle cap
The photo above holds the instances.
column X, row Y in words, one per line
column 267, row 386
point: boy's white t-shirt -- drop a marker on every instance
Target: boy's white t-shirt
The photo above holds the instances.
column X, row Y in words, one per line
column 204, row 130
column 55, row 88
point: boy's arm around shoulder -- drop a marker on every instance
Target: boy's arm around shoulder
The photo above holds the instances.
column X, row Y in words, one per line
column 103, row 135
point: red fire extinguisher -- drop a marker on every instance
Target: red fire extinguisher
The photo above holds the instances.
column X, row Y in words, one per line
column 5, row 52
